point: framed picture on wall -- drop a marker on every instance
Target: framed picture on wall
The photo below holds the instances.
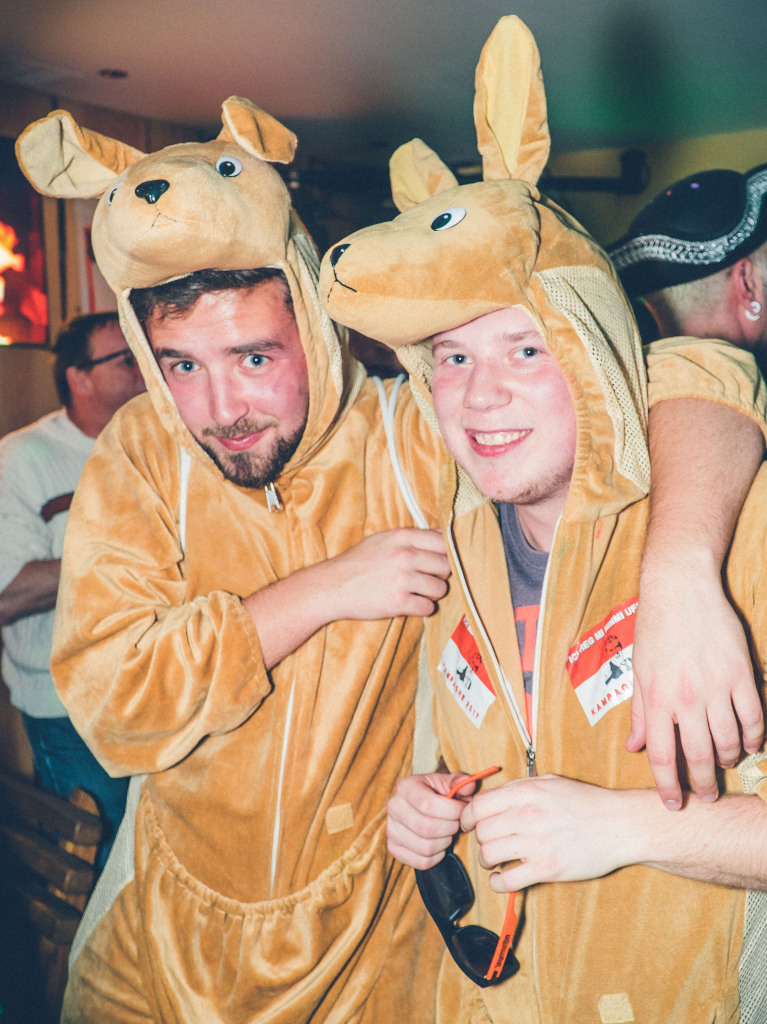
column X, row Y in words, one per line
column 92, row 293
column 23, row 299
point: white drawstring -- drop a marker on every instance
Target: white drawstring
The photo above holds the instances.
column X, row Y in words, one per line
column 387, row 410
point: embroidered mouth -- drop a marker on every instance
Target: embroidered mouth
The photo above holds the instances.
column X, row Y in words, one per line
column 339, row 281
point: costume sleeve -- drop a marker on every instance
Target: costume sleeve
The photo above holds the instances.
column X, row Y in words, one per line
column 706, row 368
column 23, row 534
column 746, row 588
column 144, row 673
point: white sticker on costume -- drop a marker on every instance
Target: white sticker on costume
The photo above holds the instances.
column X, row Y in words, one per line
column 465, row 674
column 600, row 663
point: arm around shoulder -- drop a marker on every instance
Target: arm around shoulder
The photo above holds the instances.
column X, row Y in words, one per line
column 695, row 675
column 706, row 368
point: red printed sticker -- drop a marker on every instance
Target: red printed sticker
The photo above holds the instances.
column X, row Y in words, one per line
column 600, row 663
column 465, row 674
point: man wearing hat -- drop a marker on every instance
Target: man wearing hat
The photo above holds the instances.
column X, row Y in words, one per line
column 697, row 257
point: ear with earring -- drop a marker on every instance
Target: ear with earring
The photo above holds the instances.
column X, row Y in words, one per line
column 755, row 312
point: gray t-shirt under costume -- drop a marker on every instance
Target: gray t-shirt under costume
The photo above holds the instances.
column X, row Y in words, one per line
column 527, row 568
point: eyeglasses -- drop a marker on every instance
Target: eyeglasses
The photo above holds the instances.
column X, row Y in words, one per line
column 129, row 360
column 448, row 895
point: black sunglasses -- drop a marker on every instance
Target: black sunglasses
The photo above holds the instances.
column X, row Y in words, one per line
column 448, row 894
column 122, row 353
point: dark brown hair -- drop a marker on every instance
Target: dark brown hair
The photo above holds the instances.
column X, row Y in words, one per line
column 176, row 298
column 72, row 348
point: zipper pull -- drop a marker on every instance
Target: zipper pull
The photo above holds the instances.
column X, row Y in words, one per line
column 532, row 771
column 272, row 501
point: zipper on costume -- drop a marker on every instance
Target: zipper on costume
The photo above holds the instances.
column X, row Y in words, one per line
column 532, row 768
column 536, row 681
column 272, row 501
column 517, row 715
column 519, row 719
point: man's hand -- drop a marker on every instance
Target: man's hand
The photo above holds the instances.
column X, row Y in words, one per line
column 693, row 671
column 398, row 572
column 552, row 829
column 422, row 819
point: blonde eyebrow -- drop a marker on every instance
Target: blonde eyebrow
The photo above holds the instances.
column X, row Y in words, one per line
column 523, row 335
column 438, row 344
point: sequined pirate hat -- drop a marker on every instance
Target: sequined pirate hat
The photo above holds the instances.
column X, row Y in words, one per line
column 694, row 228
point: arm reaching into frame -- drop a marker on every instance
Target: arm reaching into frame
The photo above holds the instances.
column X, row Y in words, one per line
column 32, row 590
column 553, row 829
column 695, row 675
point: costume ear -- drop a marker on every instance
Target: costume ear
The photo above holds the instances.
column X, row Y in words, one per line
column 258, row 133
column 68, row 162
column 510, row 105
column 417, row 173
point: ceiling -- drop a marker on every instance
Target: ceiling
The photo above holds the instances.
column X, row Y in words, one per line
column 355, row 78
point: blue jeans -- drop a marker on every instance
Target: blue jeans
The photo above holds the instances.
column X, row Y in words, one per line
column 63, row 761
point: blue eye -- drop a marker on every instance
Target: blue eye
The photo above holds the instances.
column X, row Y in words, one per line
column 228, row 166
column 255, row 359
column 448, row 218
column 111, row 195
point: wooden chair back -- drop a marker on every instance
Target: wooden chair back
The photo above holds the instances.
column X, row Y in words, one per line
column 48, row 847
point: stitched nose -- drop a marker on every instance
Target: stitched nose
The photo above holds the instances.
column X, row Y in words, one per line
column 337, row 253
column 152, row 190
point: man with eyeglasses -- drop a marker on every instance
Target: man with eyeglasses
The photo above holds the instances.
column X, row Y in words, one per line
column 95, row 373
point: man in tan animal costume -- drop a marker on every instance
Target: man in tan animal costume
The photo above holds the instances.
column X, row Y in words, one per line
column 228, row 529
column 532, row 372
column 263, row 889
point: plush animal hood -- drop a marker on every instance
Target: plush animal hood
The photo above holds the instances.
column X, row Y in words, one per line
column 457, row 252
column 196, row 206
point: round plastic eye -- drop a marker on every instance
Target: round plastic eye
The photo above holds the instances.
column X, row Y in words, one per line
column 448, row 218
column 228, row 166
column 111, row 195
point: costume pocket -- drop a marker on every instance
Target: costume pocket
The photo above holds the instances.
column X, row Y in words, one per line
column 313, row 954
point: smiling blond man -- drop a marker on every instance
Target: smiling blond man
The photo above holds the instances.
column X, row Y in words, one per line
column 614, row 887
